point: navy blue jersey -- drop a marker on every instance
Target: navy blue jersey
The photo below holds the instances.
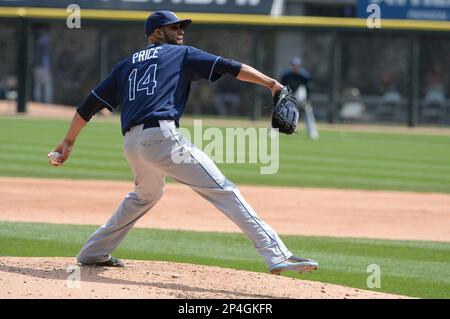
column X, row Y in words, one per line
column 154, row 83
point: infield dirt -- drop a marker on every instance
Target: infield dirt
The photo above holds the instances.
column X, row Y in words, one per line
column 289, row 210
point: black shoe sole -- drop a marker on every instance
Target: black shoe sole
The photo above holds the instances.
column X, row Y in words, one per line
column 109, row 263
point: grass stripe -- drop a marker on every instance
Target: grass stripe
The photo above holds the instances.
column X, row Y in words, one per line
column 361, row 160
column 414, row 268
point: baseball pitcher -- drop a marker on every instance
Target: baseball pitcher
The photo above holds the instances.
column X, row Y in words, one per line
column 152, row 87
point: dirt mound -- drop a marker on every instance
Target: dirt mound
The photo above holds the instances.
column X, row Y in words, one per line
column 32, row 277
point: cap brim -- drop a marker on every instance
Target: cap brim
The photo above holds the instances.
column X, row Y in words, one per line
column 183, row 23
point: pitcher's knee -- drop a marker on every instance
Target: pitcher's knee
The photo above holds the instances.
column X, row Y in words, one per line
column 150, row 196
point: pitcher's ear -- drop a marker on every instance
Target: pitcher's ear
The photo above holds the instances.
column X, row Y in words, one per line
column 158, row 33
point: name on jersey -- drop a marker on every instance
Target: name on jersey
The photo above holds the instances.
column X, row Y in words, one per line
column 147, row 54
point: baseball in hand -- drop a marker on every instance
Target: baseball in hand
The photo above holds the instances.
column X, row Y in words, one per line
column 53, row 156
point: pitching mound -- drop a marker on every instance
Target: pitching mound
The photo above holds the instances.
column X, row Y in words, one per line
column 22, row 277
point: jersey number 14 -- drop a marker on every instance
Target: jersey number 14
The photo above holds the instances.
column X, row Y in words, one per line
column 146, row 83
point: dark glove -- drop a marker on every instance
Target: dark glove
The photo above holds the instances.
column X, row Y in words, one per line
column 285, row 113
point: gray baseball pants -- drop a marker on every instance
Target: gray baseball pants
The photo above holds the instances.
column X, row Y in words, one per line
column 150, row 154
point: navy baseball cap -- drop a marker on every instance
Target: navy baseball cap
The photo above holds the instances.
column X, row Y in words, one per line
column 296, row 61
column 163, row 18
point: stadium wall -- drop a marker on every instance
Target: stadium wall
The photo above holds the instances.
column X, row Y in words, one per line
column 341, row 53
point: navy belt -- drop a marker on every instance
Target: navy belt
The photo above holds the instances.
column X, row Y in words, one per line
column 155, row 123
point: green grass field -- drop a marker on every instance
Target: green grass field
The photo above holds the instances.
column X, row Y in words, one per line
column 411, row 268
column 353, row 160
column 339, row 159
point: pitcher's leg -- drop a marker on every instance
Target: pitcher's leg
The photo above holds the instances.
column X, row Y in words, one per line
column 200, row 173
column 149, row 188
column 229, row 201
column 105, row 240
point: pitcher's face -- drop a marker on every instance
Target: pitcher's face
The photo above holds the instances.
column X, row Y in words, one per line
column 173, row 34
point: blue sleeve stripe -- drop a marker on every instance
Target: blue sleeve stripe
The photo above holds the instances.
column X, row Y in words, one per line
column 98, row 97
column 212, row 69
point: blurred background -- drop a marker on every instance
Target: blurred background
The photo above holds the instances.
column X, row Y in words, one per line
column 398, row 73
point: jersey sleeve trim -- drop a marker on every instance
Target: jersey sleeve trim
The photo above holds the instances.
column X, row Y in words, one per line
column 228, row 66
column 108, row 106
column 212, row 69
